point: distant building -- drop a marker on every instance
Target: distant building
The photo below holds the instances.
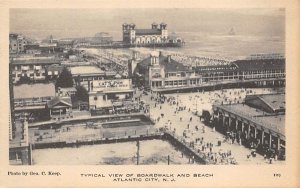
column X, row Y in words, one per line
column 30, row 69
column 33, row 49
column 156, row 34
column 103, row 37
column 99, row 39
column 66, row 44
column 17, row 43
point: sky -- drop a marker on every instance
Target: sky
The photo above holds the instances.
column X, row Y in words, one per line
column 62, row 23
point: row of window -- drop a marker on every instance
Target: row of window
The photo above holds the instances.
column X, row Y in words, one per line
column 28, row 75
column 28, row 67
column 182, row 83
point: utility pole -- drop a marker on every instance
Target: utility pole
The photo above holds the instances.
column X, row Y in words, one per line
column 137, row 152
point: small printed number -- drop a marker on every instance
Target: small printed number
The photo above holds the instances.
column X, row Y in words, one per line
column 277, row 175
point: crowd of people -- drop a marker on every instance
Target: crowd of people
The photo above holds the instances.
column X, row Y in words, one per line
column 199, row 61
column 207, row 150
column 194, row 133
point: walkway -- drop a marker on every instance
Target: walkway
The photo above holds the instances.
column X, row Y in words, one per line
column 204, row 100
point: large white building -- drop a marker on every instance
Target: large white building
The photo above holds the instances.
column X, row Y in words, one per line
column 157, row 34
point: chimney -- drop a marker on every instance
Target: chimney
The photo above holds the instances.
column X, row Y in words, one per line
column 134, row 55
column 169, row 58
column 160, row 53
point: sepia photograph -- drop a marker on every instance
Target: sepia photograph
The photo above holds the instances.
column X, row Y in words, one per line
column 147, row 86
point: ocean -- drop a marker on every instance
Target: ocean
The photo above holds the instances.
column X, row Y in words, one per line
column 228, row 46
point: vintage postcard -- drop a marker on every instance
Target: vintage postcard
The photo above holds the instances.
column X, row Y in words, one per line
column 149, row 94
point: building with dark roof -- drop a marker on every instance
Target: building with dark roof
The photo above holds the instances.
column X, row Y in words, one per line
column 60, row 108
column 260, row 120
column 167, row 75
column 159, row 71
column 29, row 100
column 17, row 43
column 30, row 69
column 269, row 103
column 53, row 71
column 155, row 34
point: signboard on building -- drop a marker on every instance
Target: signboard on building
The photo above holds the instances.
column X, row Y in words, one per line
column 111, row 85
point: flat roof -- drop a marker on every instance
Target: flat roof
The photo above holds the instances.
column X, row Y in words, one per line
column 33, row 91
column 276, row 101
column 33, row 61
column 259, row 64
column 86, row 70
column 273, row 122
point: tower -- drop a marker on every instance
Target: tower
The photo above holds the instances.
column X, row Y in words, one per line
column 164, row 31
column 132, row 33
column 125, row 32
column 154, row 58
column 154, row 25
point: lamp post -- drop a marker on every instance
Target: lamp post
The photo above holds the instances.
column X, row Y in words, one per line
column 177, row 97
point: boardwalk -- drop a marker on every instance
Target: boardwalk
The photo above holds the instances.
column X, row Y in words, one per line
column 180, row 121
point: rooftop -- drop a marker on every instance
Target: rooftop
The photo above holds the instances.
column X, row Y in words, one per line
column 273, row 101
column 214, row 68
column 35, row 60
column 275, row 123
column 259, row 64
column 86, row 70
column 172, row 66
column 57, row 100
column 33, row 91
column 55, row 67
column 147, row 32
